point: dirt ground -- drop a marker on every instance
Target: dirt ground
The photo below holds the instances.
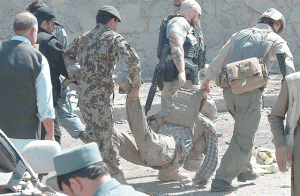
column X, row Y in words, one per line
column 145, row 179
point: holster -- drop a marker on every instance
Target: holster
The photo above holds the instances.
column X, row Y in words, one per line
column 192, row 71
column 169, row 71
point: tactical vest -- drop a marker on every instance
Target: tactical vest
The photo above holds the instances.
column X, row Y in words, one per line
column 194, row 50
column 249, row 43
column 20, row 67
column 192, row 42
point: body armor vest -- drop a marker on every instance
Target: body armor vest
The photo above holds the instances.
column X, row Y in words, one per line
column 249, row 43
column 194, row 52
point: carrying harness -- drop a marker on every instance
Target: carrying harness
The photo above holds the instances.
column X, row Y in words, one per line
column 194, row 53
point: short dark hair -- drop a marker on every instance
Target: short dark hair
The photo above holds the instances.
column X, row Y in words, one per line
column 105, row 18
column 41, row 21
column 35, row 5
column 91, row 172
column 24, row 21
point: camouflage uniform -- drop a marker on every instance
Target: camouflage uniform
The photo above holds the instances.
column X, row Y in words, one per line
column 97, row 52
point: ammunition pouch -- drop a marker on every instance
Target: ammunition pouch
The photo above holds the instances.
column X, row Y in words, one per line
column 243, row 76
column 195, row 49
column 200, row 60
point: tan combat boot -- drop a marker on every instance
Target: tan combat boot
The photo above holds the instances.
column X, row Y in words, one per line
column 171, row 172
column 193, row 165
column 168, row 175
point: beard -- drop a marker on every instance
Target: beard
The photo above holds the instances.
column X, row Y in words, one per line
column 194, row 23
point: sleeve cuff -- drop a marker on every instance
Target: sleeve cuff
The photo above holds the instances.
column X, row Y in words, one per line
column 50, row 114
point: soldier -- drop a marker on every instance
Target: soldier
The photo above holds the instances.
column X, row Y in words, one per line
column 97, row 52
column 187, row 56
column 261, row 41
column 25, row 84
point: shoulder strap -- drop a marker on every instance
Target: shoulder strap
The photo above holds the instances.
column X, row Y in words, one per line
column 175, row 15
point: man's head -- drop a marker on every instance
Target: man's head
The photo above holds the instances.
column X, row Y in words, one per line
column 273, row 18
column 177, row 3
column 191, row 10
column 109, row 16
column 46, row 19
column 80, row 169
column 35, row 5
column 25, row 24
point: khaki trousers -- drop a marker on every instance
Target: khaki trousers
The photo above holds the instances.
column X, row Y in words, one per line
column 145, row 147
column 245, row 108
column 170, row 89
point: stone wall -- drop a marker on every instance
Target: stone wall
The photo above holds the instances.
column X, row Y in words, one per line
column 142, row 18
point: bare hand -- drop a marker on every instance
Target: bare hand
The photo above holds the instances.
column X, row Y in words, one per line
column 134, row 94
column 202, row 71
column 283, row 156
column 49, row 137
column 182, row 78
column 205, row 84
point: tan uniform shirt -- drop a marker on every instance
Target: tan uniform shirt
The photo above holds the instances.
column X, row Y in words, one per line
column 275, row 44
column 277, row 116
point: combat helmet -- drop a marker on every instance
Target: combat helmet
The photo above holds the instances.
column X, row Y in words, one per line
column 273, row 15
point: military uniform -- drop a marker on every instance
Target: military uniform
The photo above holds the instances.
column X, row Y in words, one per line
column 246, row 107
column 97, row 52
column 166, row 144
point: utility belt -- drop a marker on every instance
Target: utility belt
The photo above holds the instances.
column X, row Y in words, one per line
column 243, row 76
column 170, row 71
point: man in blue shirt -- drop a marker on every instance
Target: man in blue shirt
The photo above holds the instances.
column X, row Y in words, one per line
column 25, row 81
column 81, row 171
column 66, row 114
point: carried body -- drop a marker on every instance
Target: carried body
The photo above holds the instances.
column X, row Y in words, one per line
column 167, row 141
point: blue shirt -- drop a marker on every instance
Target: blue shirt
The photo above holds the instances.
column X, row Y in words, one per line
column 114, row 188
column 43, row 87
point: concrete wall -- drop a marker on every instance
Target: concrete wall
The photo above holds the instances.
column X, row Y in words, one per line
column 142, row 18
